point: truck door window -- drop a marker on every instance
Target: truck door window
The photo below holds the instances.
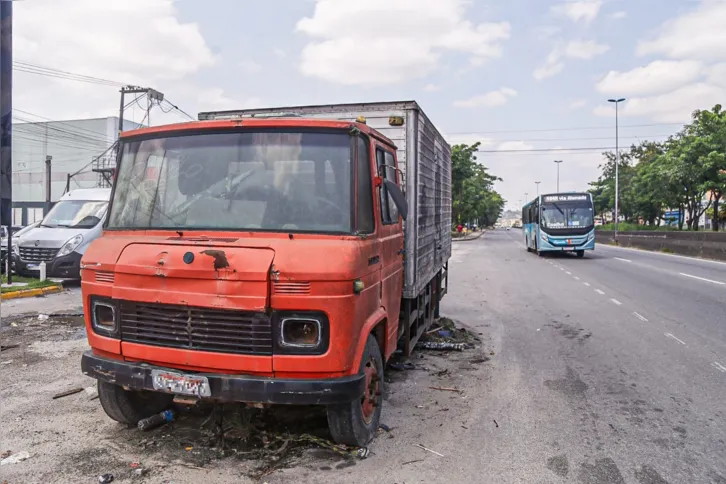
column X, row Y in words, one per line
column 387, row 170
column 365, row 189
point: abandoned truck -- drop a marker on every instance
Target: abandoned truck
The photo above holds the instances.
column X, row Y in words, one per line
column 260, row 256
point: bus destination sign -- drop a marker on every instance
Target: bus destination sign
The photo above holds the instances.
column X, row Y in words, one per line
column 565, row 198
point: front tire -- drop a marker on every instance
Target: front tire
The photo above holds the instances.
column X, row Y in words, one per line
column 356, row 423
column 580, row 253
column 128, row 407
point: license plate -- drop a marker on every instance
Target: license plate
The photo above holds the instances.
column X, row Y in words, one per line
column 568, row 248
column 33, row 267
column 180, row 384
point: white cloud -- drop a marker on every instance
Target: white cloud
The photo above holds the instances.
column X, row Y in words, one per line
column 432, row 87
column 578, row 11
column 548, row 70
column 514, row 146
column 618, row 15
column 339, row 54
column 250, row 66
column 490, row 99
column 585, row 50
column 577, row 104
column 468, row 139
column 279, row 53
column 93, row 38
column 575, row 49
column 655, row 78
column 717, row 74
column 699, row 34
column 672, row 107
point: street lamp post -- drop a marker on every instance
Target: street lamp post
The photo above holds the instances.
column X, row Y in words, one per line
column 617, row 164
column 558, row 174
column 526, row 200
column 537, row 183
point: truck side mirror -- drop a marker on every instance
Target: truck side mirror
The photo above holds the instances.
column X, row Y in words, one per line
column 398, row 198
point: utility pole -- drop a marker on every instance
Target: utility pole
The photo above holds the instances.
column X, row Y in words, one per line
column 537, row 183
column 6, row 124
column 151, row 94
column 617, row 164
column 558, row 174
column 48, row 160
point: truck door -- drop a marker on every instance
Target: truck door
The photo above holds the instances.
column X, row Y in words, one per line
column 391, row 238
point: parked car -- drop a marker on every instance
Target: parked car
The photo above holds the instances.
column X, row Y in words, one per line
column 64, row 234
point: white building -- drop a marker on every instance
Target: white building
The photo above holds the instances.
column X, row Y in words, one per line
column 73, row 145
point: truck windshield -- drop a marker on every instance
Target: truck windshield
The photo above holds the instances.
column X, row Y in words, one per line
column 261, row 180
column 564, row 215
column 81, row 214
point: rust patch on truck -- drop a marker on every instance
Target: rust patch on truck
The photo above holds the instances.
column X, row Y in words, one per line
column 219, row 256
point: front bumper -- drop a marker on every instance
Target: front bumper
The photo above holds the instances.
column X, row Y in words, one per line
column 233, row 388
column 66, row 266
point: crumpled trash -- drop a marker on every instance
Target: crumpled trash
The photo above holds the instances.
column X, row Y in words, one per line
column 15, row 458
column 443, row 346
column 363, row 453
column 402, row 366
column 43, row 317
column 105, row 479
column 140, row 471
column 444, row 333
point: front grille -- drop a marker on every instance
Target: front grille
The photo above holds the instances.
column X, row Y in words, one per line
column 196, row 328
column 104, row 276
column 291, row 288
column 37, row 254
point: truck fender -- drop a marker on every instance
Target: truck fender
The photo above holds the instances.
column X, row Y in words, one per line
column 372, row 321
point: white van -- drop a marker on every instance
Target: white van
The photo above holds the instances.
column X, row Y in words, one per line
column 64, row 234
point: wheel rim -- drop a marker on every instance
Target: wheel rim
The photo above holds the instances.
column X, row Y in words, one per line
column 370, row 396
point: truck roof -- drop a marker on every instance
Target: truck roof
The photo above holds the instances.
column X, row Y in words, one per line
column 257, row 123
column 310, row 109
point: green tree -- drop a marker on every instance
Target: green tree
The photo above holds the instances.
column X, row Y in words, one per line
column 473, row 195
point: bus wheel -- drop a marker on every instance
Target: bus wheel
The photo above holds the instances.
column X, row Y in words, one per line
column 580, row 253
column 356, row 423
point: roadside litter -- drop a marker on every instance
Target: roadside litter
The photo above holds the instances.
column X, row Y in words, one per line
column 428, row 450
column 440, row 346
column 105, row 479
column 15, row 458
column 456, row 390
column 66, row 393
column 156, row 420
column 402, row 366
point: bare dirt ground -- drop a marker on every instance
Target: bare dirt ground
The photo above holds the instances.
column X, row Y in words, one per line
column 70, row 439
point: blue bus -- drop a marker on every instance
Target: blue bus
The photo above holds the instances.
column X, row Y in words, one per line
column 559, row 222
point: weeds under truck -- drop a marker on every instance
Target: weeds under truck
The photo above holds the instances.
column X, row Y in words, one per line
column 259, row 256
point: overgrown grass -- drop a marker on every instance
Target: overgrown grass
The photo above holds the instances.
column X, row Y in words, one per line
column 31, row 282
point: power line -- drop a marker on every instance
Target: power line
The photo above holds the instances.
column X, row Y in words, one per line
column 180, row 110
column 60, row 74
column 548, row 150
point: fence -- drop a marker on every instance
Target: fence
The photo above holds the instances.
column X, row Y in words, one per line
column 710, row 245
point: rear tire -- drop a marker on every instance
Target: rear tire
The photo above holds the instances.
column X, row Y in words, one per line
column 580, row 253
column 356, row 423
column 128, row 407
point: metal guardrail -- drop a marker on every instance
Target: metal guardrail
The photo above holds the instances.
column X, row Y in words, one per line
column 706, row 244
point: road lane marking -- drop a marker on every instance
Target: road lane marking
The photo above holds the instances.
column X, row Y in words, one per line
column 719, row 367
column 587, row 284
column 641, row 317
column 562, row 268
column 615, row 301
column 568, row 273
column 577, row 278
column 599, row 292
column 668, row 335
column 606, row 247
column 703, row 279
column 624, row 260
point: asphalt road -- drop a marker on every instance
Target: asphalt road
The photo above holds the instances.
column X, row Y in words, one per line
column 611, row 368
column 607, row 369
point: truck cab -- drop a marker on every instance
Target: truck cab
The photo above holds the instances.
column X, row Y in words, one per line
column 256, row 260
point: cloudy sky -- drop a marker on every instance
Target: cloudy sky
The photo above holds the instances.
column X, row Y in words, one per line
column 519, row 76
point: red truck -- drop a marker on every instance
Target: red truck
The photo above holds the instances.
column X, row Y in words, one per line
column 260, row 256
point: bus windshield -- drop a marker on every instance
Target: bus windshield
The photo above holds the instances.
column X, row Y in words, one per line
column 563, row 215
column 262, row 180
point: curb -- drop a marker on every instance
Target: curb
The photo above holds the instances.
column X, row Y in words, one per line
column 467, row 239
column 41, row 291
